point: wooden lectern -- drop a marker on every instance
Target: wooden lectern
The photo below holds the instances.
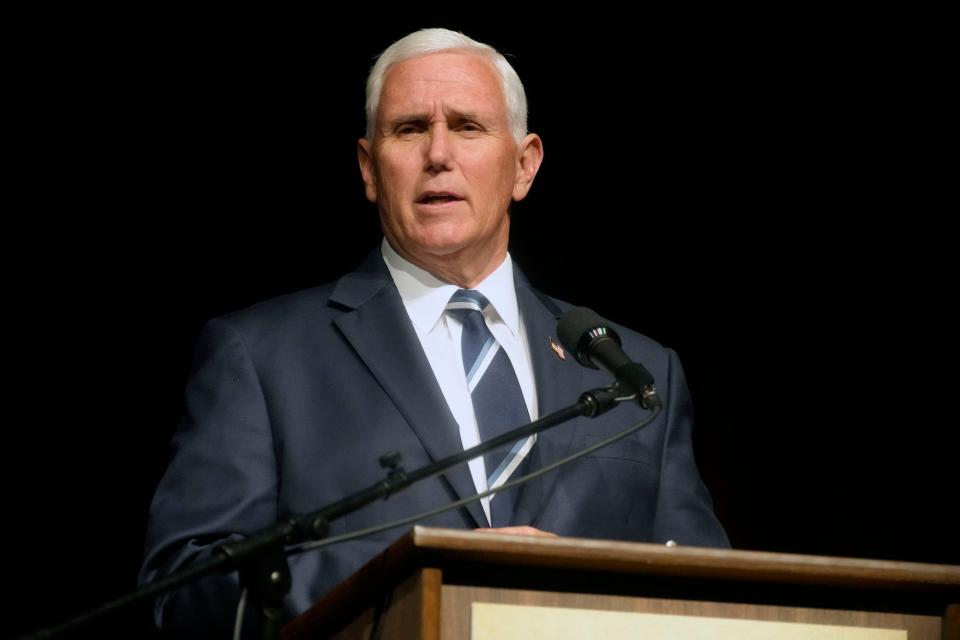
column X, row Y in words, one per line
column 425, row 587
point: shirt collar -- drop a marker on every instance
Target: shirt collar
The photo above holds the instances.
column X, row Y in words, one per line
column 425, row 296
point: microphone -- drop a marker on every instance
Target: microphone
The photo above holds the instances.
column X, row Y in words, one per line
column 595, row 345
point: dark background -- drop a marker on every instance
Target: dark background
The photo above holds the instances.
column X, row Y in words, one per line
column 758, row 192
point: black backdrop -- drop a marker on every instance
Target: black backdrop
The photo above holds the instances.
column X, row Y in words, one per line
column 756, row 195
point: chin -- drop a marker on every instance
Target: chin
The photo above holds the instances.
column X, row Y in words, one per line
column 444, row 244
column 441, row 250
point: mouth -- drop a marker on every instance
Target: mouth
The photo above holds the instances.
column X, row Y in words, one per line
column 438, row 197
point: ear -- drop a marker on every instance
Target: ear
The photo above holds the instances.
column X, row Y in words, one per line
column 367, row 168
column 529, row 157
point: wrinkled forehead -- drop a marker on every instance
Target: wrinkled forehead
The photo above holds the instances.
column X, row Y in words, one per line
column 462, row 81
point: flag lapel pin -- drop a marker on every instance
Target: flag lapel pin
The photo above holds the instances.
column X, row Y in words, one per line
column 557, row 349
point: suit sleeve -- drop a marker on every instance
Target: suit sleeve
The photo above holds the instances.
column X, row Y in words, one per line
column 221, row 483
column 684, row 508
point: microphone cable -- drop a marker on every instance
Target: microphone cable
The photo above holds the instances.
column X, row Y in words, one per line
column 344, row 537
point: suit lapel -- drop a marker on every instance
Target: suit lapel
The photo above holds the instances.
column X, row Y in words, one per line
column 380, row 331
column 559, row 384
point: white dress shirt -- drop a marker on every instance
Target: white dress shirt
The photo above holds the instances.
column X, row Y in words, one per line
column 425, row 298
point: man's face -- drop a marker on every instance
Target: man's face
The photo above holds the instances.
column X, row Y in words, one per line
column 443, row 165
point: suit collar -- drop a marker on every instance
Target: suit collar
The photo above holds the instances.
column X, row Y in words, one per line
column 378, row 328
column 357, row 287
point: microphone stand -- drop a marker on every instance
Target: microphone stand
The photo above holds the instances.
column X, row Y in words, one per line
column 260, row 558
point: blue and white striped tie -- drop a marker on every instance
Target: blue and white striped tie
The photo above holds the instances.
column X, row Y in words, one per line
column 497, row 399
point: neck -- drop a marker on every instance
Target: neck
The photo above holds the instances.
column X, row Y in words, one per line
column 465, row 267
column 464, row 271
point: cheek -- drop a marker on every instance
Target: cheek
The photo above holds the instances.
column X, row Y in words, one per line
column 496, row 174
column 396, row 175
column 506, row 179
column 394, row 193
column 507, row 164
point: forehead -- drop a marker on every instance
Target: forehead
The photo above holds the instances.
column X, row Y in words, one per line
column 455, row 79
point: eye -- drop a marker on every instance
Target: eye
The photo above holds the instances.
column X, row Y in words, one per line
column 407, row 128
column 470, row 127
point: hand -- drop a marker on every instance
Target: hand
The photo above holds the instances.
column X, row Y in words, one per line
column 519, row 531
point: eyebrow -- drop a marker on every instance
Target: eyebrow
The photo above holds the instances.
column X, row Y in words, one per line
column 454, row 116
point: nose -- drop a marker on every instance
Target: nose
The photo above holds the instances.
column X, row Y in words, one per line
column 439, row 153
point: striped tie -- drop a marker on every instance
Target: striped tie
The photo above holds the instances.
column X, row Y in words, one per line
column 497, row 399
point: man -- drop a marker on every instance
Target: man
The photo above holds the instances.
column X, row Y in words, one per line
column 293, row 400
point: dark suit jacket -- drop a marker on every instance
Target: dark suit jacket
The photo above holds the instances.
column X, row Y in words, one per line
column 292, row 401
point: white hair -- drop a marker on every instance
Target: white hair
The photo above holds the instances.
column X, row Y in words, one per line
column 428, row 41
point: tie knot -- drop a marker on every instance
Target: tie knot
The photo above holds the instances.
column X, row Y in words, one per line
column 465, row 301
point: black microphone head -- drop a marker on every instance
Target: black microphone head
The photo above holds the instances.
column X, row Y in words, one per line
column 579, row 328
